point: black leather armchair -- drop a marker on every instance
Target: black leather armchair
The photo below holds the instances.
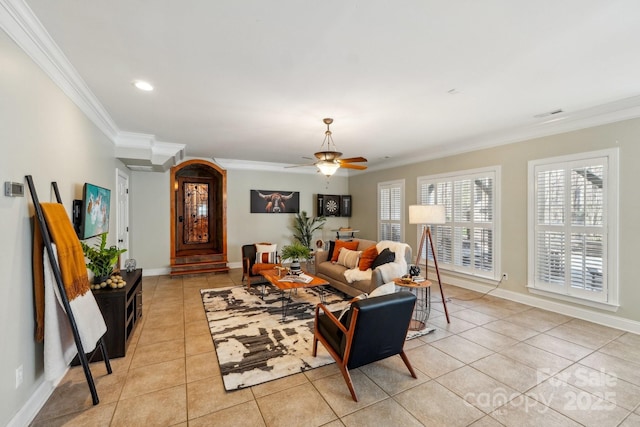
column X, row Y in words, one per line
column 373, row 329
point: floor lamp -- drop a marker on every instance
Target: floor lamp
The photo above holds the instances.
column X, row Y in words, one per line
column 426, row 215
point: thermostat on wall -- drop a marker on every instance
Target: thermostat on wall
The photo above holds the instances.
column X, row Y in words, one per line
column 13, row 189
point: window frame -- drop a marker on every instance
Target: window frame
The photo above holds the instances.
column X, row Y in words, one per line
column 495, row 172
column 400, row 184
column 608, row 297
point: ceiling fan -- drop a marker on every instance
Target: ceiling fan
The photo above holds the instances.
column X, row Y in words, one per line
column 329, row 158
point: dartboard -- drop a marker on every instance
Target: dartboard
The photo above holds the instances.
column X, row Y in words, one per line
column 331, row 206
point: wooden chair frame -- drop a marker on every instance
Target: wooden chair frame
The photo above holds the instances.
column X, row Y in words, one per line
column 349, row 332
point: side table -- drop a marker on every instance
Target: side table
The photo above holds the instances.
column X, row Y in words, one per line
column 422, row 291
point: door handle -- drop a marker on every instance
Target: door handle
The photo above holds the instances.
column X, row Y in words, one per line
column 180, row 218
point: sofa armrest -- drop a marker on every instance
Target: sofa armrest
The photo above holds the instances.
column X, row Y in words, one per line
column 320, row 257
column 376, row 278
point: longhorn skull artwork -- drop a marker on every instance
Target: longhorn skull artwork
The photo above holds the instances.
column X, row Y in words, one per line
column 275, row 201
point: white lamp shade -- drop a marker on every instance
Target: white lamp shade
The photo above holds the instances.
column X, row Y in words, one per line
column 427, row 214
column 327, row 168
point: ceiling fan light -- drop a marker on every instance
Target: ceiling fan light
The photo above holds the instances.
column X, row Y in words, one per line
column 327, row 168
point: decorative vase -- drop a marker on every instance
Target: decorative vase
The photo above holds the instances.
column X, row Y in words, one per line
column 295, row 266
column 130, row 265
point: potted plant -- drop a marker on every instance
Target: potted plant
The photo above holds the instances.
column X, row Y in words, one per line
column 101, row 259
column 305, row 226
column 295, row 252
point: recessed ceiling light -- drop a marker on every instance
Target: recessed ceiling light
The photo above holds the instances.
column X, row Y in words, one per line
column 142, row 85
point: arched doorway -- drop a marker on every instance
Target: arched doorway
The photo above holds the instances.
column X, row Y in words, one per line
column 198, row 218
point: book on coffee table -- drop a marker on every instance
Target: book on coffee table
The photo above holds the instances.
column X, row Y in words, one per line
column 301, row 278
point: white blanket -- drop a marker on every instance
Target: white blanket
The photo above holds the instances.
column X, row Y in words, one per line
column 59, row 345
column 355, row 274
column 392, row 270
column 399, row 249
column 389, row 271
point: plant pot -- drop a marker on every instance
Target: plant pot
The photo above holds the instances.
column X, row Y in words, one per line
column 99, row 279
column 295, row 266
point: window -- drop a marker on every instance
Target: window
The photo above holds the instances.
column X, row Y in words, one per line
column 468, row 241
column 572, row 225
column 390, row 208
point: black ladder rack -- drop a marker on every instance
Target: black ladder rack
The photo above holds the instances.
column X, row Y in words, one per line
column 46, row 237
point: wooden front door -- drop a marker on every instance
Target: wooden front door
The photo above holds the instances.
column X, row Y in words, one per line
column 198, row 218
column 195, row 231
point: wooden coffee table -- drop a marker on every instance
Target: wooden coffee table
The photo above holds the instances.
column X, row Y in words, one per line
column 275, row 279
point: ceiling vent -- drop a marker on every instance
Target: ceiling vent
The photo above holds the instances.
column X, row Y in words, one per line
column 549, row 113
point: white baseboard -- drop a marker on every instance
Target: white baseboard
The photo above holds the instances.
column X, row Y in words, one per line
column 36, row 401
column 555, row 306
column 167, row 270
column 156, row 271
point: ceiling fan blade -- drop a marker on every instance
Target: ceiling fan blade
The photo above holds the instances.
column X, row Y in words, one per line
column 352, row 160
column 298, row 166
column 352, row 166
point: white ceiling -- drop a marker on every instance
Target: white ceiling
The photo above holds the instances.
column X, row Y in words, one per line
column 253, row 79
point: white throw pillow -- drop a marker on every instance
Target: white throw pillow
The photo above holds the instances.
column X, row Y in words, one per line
column 266, row 253
column 349, row 258
column 386, row 289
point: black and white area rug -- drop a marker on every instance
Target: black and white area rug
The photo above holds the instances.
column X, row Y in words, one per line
column 253, row 343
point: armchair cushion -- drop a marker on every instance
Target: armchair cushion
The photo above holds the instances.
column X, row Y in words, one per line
column 257, row 268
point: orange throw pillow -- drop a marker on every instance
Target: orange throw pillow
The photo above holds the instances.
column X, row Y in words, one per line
column 367, row 257
column 353, row 245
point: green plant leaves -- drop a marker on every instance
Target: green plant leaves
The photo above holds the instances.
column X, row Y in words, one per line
column 305, row 226
column 101, row 259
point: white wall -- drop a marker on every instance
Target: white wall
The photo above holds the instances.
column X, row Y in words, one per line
column 151, row 211
column 44, row 134
column 513, row 159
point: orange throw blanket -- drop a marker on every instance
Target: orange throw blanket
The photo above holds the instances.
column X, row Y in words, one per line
column 70, row 258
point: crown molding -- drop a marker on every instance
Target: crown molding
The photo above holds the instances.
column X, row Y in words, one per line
column 19, row 22
column 616, row 111
column 25, row 29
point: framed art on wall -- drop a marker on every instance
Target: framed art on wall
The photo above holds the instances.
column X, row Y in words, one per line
column 268, row 201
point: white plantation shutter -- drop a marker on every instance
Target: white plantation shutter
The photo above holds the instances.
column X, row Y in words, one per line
column 390, row 205
column 467, row 243
column 569, row 228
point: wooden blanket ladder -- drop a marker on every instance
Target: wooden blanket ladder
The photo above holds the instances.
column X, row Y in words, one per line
column 46, row 237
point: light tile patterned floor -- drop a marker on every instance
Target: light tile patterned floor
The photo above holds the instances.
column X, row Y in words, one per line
column 496, row 363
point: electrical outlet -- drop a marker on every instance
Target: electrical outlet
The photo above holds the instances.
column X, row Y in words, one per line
column 505, row 276
column 19, row 376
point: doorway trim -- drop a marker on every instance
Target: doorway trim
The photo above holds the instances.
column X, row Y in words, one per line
column 203, row 263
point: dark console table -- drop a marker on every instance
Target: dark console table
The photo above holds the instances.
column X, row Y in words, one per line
column 121, row 309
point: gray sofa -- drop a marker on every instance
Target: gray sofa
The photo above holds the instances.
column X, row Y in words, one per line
column 334, row 273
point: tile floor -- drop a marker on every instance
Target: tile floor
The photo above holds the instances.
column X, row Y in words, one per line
column 496, row 363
